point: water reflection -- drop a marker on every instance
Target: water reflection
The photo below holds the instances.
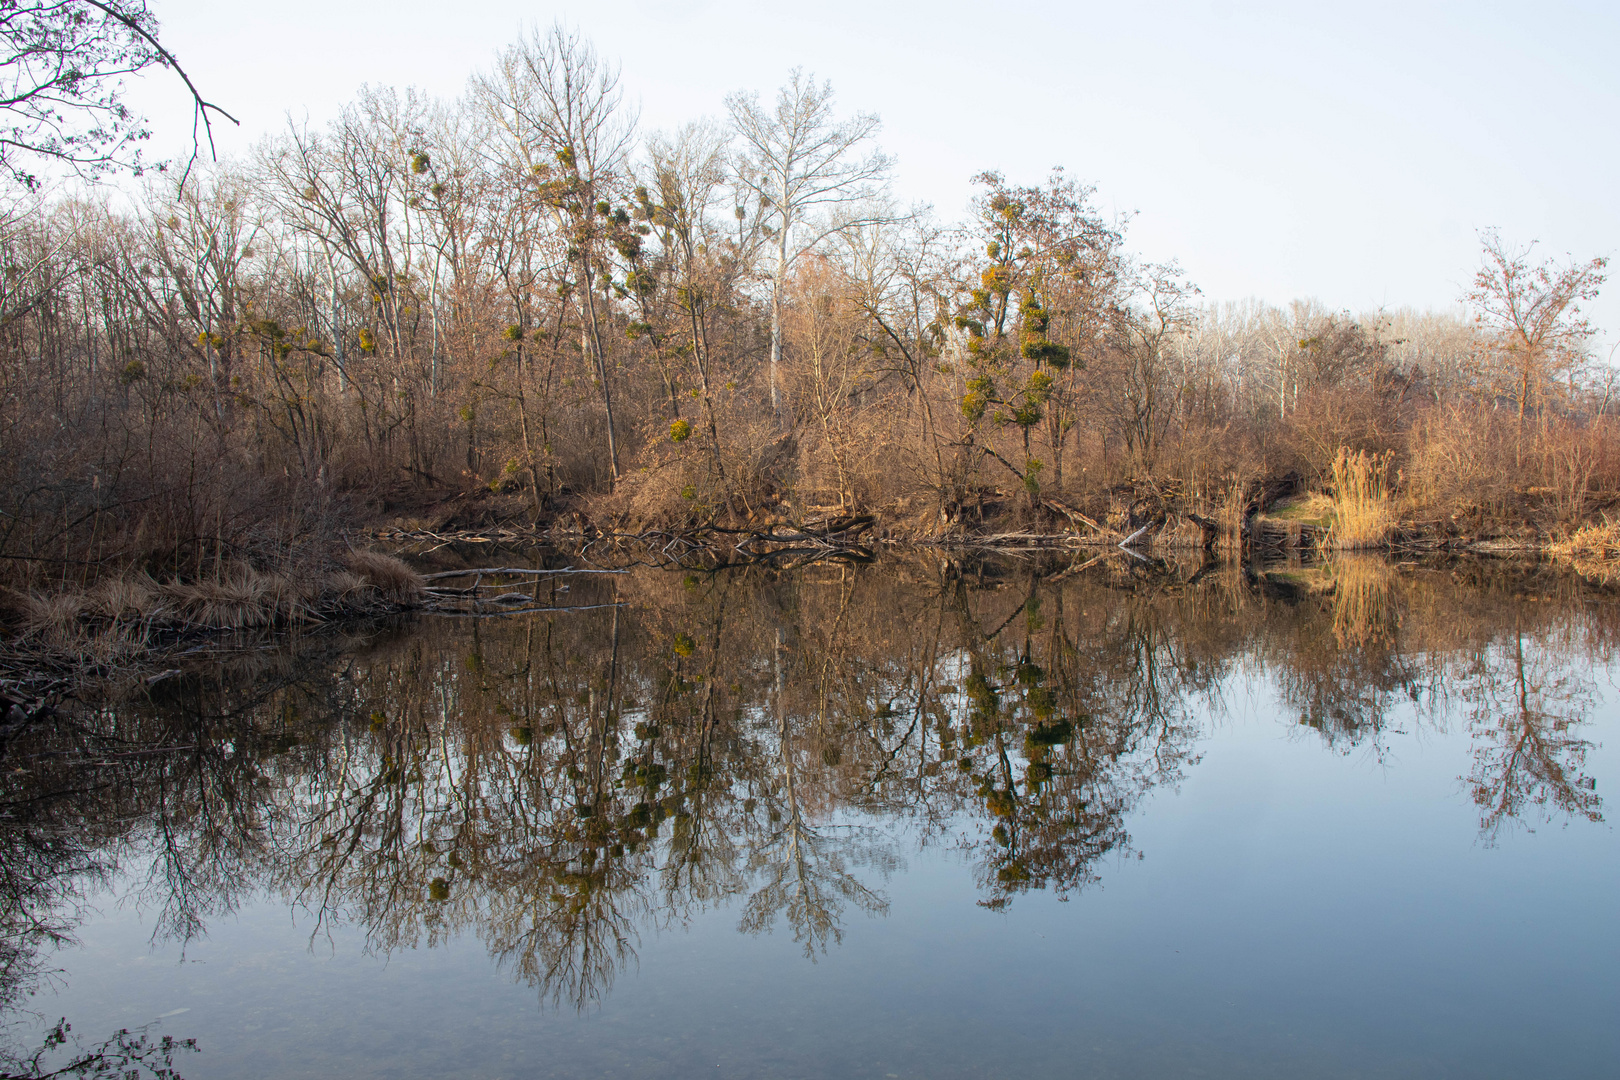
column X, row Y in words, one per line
column 1525, row 705
column 561, row 784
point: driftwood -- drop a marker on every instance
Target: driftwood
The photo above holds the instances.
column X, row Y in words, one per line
column 476, row 592
column 1130, row 541
column 1079, row 568
column 1076, row 516
column 18, row 710
column 812, row 539
column 471, row 613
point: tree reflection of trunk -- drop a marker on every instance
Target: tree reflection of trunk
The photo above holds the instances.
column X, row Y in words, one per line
column 701, row 863
column 1526, row 755
column 806, row 875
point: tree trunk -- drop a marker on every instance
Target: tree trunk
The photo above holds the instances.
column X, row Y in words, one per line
column 588, row 288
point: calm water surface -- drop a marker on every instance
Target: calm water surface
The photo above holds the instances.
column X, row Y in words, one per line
column 914, row 819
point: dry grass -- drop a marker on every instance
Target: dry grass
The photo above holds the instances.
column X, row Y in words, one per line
column 119, row 614
column 1179, row 532
column 1593, row 550
column 1599, row 541
column 344, row 586
column 123, row 597
column 396, row 582
column 1363, row 510
column 1312, row 509
column 242, row 600
column 54, row 618
column 1230, row 516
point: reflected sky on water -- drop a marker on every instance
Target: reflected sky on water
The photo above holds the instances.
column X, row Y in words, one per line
column 927, row 817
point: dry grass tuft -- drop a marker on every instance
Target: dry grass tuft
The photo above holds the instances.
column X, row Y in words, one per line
column 243, row 599
column 1230, row 516
column 1598, row 541
column 343, row 587
column 247, row 598
column 396, row 582
column 1593, row 550
column 1363, row 510
column 124, row 597
column 57, row 618
column 118, row 617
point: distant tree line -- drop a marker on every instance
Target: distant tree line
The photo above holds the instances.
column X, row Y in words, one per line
column 518, row 294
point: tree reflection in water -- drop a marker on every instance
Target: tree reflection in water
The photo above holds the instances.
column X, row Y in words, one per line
column 562, row 784
column 1525, row 705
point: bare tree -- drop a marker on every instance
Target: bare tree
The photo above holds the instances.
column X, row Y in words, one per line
column 899, row 278
column 838, row 369
column 559, row 107
column 688, row 173
column 62, row 65
column 811, row 174
column 1150, row 392
column 1533, row 313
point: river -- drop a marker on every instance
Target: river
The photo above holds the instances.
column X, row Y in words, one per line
column 937, row 816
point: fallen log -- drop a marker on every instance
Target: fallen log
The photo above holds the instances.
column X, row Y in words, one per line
column 480, row 613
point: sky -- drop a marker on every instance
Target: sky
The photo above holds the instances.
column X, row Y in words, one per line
column 1349, row 153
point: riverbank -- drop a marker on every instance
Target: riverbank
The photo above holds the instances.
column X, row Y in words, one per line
column 132, row 627
column 125, row 624
column 1285, row 530
column 129, row 629
column 1357, row 507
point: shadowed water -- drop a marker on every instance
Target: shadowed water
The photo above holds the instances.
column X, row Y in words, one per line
column 917, row 818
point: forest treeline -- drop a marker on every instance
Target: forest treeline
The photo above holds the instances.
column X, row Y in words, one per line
column 517, row 305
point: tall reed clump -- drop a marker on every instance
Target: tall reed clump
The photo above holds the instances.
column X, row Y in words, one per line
column 1229, row 515
column 1363, row 507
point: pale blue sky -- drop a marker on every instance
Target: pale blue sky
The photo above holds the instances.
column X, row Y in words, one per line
column 1346, row 152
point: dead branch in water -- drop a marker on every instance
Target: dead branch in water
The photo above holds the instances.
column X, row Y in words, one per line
column 493, row 570
column 475, row 614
